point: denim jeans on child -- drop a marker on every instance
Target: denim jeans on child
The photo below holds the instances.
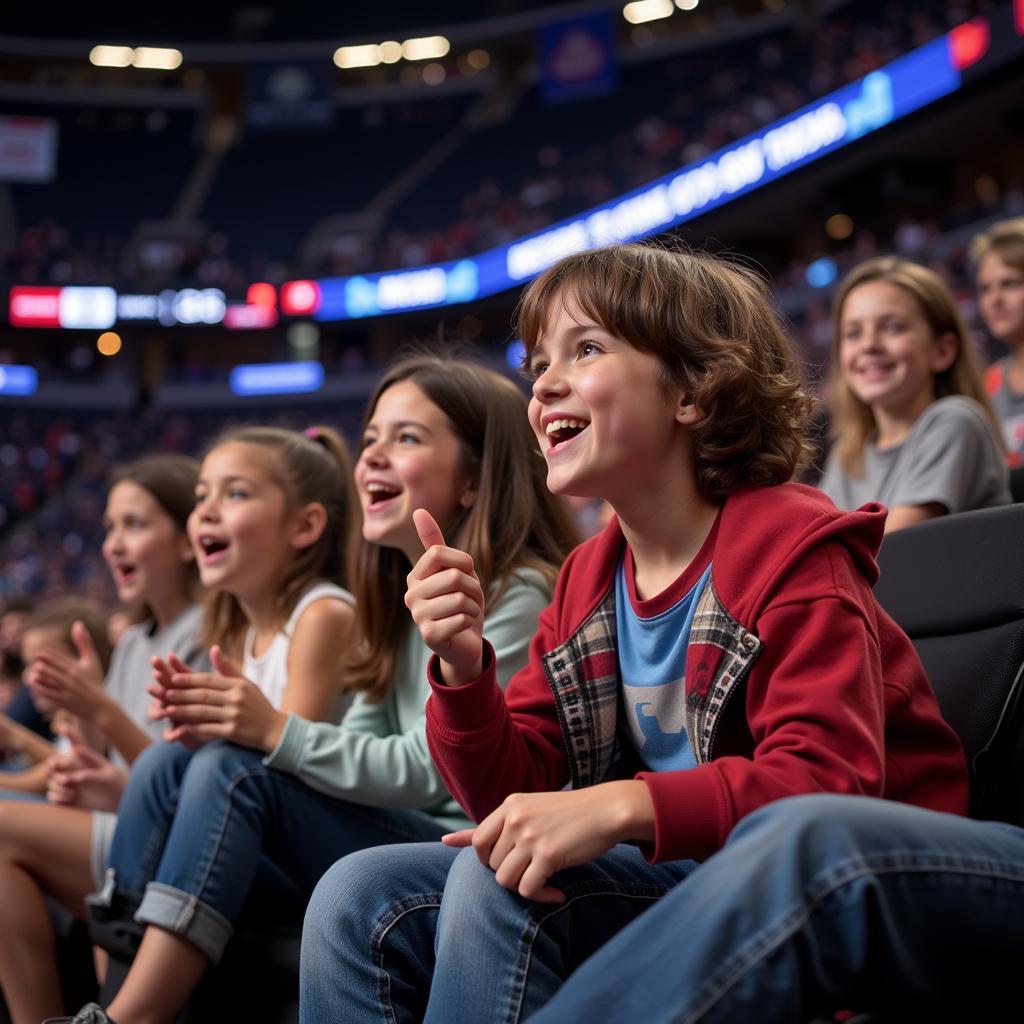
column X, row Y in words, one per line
column 195, row 830
column 815, row 903
column 368, row 943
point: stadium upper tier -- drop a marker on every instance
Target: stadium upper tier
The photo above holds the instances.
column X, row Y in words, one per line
column 432, row 180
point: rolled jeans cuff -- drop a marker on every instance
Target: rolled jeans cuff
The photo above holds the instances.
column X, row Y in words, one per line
column 178, row 912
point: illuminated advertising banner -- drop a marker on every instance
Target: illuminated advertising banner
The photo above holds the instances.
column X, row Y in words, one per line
column 276, row 378
column 836, row 120
column 191, row 306
column 300, row 298
column 34, row 307
column 258, row 312
column 240, row 316
column 98, row 308
column 18, row 380
column 89, row 308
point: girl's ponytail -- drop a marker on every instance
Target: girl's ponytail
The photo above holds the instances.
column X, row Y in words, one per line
column 344, row 524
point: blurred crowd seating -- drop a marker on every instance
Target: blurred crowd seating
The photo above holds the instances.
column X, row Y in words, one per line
column 505, row 180
column 54, row 470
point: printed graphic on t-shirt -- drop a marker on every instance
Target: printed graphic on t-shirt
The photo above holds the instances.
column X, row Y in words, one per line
column 652, row 674
column 656, row 720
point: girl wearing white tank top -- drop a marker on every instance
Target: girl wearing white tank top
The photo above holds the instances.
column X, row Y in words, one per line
column 271, row 531
column 269, row 670
column 272, row 528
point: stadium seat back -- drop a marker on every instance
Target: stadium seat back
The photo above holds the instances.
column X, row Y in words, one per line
column 1017, row 483
column 956, row 586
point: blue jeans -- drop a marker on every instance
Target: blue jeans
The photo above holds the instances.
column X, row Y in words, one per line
column 196, row 832
column 817, row 903
column 385, row 928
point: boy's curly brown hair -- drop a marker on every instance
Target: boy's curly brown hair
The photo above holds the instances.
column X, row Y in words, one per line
column 711, row 324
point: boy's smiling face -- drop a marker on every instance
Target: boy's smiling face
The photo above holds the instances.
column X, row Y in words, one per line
column 605, row 422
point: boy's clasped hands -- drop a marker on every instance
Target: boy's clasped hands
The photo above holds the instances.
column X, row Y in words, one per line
column 529, row 836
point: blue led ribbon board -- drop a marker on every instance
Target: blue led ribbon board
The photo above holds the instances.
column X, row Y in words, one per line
column 844, row 116
column 276, row 378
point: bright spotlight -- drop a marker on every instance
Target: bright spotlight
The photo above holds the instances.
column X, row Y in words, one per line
column 111, row 56
column 366, row 56
column 157, row 58
column 640, row 11
column 425, row 48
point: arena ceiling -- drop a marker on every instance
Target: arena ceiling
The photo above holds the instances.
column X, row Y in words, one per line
column 247, row 23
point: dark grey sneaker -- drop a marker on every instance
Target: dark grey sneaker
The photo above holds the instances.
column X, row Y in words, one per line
column 88, row 1014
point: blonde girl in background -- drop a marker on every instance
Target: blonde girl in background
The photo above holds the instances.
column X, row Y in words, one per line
column 911, row 423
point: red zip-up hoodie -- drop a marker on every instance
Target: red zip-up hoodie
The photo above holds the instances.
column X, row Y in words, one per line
column 797, row 681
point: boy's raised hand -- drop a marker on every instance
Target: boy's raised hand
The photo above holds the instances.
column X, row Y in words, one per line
column 447, row 603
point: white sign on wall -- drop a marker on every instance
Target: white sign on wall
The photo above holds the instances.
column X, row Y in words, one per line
column 28, row 149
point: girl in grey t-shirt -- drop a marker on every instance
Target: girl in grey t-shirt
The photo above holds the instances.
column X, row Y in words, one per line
column 912, row 425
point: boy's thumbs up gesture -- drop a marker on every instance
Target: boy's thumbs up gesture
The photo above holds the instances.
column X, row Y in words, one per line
column 447, row 603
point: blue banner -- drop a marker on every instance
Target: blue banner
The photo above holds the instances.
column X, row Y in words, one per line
column 289, row 97
column 578, row 59
column 276, row 378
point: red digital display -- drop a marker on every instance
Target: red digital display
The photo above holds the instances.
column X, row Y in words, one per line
column 244, row 317
column 969, row 42
column 300, row 298
column 34, row 306
column 261, row 294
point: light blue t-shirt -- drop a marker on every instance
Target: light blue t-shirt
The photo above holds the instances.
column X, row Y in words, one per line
column 652, row 674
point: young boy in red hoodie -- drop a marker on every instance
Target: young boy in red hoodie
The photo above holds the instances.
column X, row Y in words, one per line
column 716, row 648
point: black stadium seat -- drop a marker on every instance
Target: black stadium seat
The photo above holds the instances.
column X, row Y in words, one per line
column 956, row 586
column 1017, row 483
